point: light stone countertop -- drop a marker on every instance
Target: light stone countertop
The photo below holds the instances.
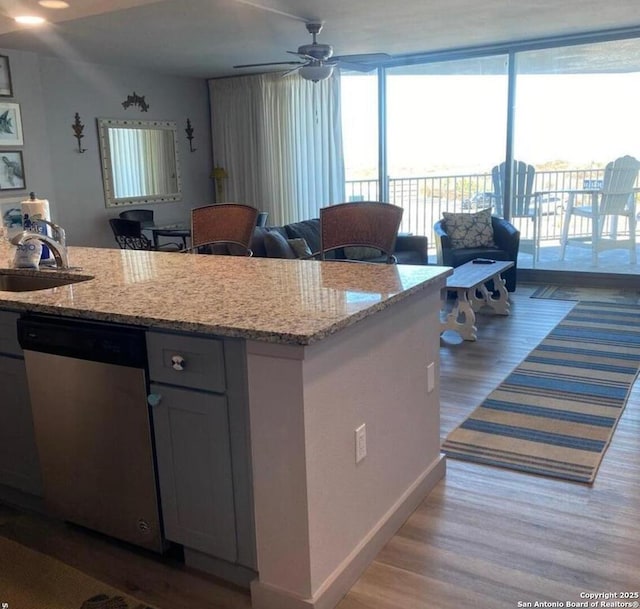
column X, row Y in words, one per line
column 265, row 299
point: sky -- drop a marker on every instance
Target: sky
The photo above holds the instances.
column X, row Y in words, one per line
column 455, row 124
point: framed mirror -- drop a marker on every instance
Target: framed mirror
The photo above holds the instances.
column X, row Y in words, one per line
column 139, row 161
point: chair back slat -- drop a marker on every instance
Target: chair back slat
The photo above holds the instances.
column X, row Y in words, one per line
column 522, row 180
column 617, row 186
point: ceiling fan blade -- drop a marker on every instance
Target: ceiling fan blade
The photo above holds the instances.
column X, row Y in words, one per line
column 364, row 57
column 273, row 63
column 293, row 71
column 356, row 67
column 270, row 9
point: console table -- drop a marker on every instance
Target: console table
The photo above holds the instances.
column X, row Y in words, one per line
column 469, row 282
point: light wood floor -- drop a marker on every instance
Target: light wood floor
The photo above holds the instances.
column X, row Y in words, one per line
column 484, row 538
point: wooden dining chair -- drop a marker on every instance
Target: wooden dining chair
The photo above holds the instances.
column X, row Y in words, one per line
column 223, row 228
column 362, row 224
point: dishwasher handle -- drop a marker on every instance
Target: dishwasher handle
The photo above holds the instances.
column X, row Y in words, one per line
column 92, row 341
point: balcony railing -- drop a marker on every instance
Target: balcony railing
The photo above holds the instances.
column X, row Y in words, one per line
column 425, row 198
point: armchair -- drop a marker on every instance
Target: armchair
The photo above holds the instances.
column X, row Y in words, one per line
column 507, row 243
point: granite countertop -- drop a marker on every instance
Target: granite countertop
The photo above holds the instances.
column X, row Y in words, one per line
column 280, row 301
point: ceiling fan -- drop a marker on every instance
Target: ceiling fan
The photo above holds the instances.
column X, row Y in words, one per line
column 317, row 59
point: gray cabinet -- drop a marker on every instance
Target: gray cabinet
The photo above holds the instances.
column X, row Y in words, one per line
column 19, row 465
column 200, row 422
column 194, row 470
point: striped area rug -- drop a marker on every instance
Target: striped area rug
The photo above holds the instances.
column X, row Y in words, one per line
column 556, row 412
column 612, row 295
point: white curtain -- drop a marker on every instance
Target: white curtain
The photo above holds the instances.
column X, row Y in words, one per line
column 280, row 141
column 142, row 160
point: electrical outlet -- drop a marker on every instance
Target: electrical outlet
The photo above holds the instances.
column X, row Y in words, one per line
column 361, row 442
column 431, row 377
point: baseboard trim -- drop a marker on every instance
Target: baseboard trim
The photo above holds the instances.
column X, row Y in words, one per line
column 22, row 500
column 586, row 279
column 237, row 574
column 264, row 596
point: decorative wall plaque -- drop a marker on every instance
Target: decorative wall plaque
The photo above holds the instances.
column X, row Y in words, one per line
column 136, row 100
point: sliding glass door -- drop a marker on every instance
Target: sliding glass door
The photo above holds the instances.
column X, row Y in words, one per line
column 430, row 134
column 446, row 128
column 360, row 116
column 576, row 110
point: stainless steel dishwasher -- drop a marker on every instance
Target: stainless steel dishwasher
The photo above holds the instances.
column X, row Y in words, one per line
column 88, row 389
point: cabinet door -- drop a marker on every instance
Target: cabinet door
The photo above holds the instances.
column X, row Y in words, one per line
column 19, row 465
column 194, row 470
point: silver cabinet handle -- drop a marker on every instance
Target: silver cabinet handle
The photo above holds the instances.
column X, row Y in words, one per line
column 177, row 362
column 153, row 399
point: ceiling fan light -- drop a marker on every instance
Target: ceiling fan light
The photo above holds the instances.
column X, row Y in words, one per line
column 29, row 20
column 316, row 73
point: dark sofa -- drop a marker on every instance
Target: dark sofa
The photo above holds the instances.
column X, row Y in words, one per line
column 273, row 242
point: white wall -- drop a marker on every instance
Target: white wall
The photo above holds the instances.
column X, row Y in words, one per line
column 320, row 516
column 50, row 91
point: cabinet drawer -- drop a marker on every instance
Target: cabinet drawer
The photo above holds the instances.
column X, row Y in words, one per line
column 9, row 334
column 187, row 361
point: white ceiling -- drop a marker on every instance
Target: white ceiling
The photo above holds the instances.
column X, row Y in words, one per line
column 205, row 38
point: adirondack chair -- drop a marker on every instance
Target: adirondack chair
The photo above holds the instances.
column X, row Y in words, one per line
column 523, row 202
column 616, row 199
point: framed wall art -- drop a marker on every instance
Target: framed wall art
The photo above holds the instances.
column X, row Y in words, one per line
column 11, row 170
column 11, row 216
column 6, row 88
column 10, row 125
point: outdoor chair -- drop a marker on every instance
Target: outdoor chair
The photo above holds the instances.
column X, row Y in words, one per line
column 362, row 224
column 223, row 229
column 616, row 199
column 523, row 202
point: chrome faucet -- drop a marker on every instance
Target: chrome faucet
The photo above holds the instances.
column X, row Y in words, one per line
column 59, row 250
column 59, row 233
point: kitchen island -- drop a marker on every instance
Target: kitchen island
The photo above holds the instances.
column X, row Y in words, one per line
column 326, row 347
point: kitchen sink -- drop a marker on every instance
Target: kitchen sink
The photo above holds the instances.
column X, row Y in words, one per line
column 27, row 281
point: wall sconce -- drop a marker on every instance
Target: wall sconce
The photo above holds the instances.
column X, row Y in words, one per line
column 78, row 128
column 219, row 175
column 189, row 132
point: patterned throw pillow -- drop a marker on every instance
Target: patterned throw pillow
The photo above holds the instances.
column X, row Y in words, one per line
column 300, row 247
column 469, row 230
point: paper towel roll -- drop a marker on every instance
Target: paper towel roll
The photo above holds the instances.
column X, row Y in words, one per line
column 36, row 208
